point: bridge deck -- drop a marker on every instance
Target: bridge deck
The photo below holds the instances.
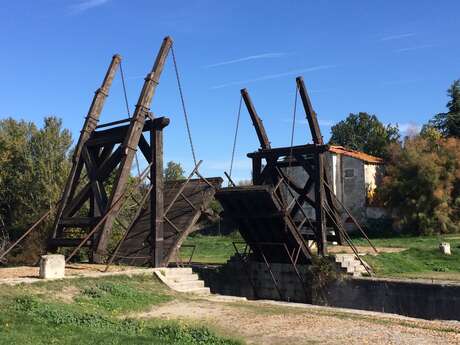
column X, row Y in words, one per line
column 135, row 249
column 262, row 222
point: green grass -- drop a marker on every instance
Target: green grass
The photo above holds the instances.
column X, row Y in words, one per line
column 422, row 259
column 98, row 313
column 211, row 249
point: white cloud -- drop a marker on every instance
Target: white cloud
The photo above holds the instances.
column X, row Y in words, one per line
column 397, row 37
column 275, row 76
column 248, row 58
column 86, row 5
column 424, row 46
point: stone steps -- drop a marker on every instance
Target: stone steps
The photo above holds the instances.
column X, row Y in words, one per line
column 349, row 264
column 182, row 279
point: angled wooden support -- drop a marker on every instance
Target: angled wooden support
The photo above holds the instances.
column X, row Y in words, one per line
column 88, row 128
column 309, row 112
column 131, row 142
column 256, row 120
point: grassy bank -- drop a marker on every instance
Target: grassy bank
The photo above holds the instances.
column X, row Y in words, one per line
column 93, row 311
column 421, row 259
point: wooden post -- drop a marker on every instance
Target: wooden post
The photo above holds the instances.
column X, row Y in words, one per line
column 319, row 210
column 256, row 170
column 157, row 196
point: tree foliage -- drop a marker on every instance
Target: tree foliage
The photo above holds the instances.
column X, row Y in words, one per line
column 449, row 123
column 174, row 171
column 364, row 132
column 34, row 163
column 422, row 185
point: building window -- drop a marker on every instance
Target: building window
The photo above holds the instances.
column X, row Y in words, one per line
column 349, row 173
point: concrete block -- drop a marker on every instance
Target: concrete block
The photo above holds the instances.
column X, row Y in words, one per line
column 52, row 266
column 444, row 247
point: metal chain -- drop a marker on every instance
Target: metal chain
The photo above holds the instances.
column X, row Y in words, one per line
column 236, row 136
column 183, row 105
column 129, row 113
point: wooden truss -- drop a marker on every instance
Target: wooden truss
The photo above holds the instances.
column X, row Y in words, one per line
column 274, row 166
column 105, row 151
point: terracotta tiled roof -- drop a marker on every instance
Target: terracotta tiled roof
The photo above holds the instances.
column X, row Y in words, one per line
column 356, row 154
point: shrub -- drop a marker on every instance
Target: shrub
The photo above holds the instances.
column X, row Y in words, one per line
column 422, row 185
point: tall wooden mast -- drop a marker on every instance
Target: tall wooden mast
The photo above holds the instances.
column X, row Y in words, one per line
column 88, row 128
column 131, row 141
column 256, row 121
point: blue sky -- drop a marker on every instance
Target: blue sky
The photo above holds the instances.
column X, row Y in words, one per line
column 391, row 58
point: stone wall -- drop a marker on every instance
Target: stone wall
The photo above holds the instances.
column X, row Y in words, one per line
column 405, row 297
column 426, row 300
column 254, row 281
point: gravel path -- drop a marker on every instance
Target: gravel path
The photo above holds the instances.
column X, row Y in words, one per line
column 276, row 323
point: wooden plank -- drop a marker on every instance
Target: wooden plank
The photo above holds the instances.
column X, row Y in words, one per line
column 183, row 215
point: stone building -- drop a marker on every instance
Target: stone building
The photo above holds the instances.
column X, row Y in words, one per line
column 354, row 177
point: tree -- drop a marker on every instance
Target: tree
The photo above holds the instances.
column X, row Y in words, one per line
column 421, row 186
column 174, row 171
column 449, row 123
column 364, row 132
column 34, row 164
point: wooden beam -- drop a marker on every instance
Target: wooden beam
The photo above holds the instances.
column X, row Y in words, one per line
column 79, row 221
column 117, row 135
column 157, row 198
column 309, row 112
column 97, row 187
column 321, row 239
column 102, row 173
column 145, row 149
column 130, row 144
column 256, row 120
column 256, row 170
column 286, row 151
column 88, row 128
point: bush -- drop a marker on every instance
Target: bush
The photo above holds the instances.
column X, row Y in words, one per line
column 422, row 185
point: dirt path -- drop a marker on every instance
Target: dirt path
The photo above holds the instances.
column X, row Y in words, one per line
column 363, row 250
column 268, row 324
column 28, row 274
